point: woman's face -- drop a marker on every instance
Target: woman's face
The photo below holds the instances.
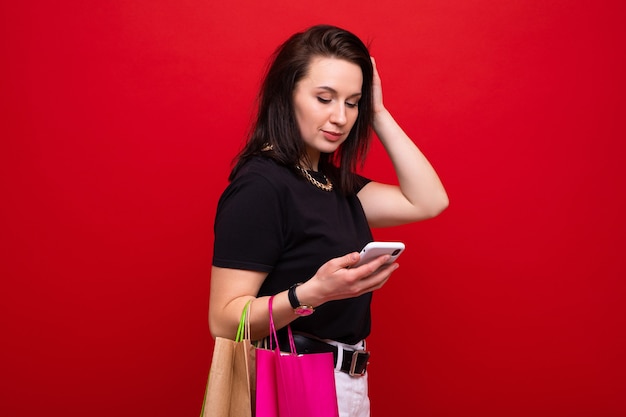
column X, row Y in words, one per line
column 326, row 104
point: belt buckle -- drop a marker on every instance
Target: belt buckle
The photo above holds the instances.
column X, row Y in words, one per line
column 353, row 364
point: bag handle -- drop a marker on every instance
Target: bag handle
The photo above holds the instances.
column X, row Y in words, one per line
column 247, row 333
column 243, row 331
column 292, row 345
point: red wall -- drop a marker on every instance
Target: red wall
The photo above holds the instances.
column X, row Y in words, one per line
column 119, row 120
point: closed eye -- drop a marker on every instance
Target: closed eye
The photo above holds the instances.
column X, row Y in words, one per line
column 327, row 101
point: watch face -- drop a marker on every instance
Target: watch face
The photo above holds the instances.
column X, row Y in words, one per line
column 304, row 310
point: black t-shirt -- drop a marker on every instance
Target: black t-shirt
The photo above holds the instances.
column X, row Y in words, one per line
column 271, row 219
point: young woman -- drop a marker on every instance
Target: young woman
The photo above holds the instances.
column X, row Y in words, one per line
column 295, row 214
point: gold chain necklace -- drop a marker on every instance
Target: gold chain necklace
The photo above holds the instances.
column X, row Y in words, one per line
column 326, row 187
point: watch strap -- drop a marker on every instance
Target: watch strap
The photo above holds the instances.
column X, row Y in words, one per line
column 293, row 299
column 298, row 308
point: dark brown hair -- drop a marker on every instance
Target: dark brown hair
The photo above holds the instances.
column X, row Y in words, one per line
column 275, row 122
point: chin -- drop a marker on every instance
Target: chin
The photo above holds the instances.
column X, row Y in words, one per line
column 329, row 147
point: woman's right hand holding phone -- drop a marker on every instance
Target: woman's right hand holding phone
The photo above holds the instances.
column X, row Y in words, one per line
column 337, row 279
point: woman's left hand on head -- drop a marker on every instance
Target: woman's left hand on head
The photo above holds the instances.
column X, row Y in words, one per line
column 377, row 90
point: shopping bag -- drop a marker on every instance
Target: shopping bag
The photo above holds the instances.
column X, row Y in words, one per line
column 230, row 388
column 292, row 385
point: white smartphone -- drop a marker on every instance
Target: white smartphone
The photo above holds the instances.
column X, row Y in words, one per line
column 373, row 250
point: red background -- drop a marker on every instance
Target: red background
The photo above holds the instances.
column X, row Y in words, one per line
column 119, row 121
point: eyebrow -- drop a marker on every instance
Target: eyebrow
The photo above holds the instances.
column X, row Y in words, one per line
column 332, row 90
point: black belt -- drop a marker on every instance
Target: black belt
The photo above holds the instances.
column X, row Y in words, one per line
column 354, row 362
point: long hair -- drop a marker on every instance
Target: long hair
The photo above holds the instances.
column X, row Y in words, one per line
column 276, row 123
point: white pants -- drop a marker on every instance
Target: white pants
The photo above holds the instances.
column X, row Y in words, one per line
column 352, row 396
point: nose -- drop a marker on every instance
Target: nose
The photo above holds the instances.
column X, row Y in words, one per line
column 338, row 114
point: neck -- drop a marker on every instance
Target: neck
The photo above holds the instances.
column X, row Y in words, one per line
column 312, row 162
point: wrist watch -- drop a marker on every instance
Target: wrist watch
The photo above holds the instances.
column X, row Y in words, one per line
column 298, row 308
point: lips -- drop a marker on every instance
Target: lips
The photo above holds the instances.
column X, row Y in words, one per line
column 332, row 136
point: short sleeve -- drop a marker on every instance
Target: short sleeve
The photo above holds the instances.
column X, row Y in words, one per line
column 248, row 225
column 360, row 182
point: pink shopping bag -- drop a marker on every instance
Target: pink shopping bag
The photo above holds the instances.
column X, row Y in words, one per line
column 292, row 385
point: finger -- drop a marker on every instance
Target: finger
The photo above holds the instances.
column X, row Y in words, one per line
column 380, row 261
column 349, row 259
column 374, row 66
column 376, row 280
